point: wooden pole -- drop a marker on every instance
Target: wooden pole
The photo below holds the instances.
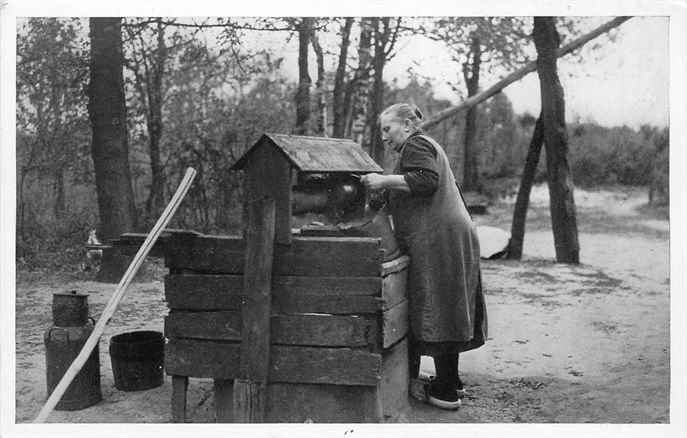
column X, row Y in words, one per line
column 250, row 390
column 111, row 306
column 519, row 74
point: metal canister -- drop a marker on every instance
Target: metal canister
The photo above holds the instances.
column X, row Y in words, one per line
column 63, row 342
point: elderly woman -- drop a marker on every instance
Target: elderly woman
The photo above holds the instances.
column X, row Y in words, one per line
column 433, row 226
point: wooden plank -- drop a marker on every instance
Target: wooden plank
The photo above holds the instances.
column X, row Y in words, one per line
column 203, row 359
column 306, row 256
column 343, row 295
column 395, row 265
column 250, row 401
column 299, row 403
column 337, row 305
column 310, row 330
column 324, row 330
column 224, row 254
column 224, row 400
column 179, row 390
column 268, row 174
column 394, row 384
column 394, row 288
column 220, row 360
column 221, row 326
column 327, row 285
column 340, row 366
column 394, row 324
column 256, row 310
column 203, row 292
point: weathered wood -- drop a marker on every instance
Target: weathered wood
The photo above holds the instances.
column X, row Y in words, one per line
column 337, row 305
column 203, row 292
column 220, row 360
column 130, row 242
column 343, row 295
column 220, row 326
column 323, row 403
column 256, row 310
column 250, row 401
column 394, row 324
column 394, row 384
column 342, row 366
column 394, row 288
column 179, row 390
column 395, row 265
column 268, row 174
column 324, row 330
column 310, row 330
column 327, row 285
column 224, row 400
column 207, row 359
column 299, row 403
column 309, row 256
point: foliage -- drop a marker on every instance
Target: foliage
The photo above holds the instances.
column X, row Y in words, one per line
column 219, row 93
column 618, row 155
column 53, row 135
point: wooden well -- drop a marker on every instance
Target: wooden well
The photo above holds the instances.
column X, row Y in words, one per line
column 338, row 327
column 291, row 328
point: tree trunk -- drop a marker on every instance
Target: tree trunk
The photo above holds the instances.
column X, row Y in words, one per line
column 58, row 191
column 470, row 152
column 377, row 98
column 562, row 203
column 154, row 204
column 362, row 84
column 107, row 114
column 339, row 97
column 320, row 92
column 303, row 94
column 517, row 230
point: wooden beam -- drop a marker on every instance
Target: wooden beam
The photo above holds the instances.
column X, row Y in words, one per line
column 309, row 329
column 335, row 295
column 394, row 324
column 250, row 388
column 519, row 74
column 306, row 256
column 288, row 364
column 179, row 391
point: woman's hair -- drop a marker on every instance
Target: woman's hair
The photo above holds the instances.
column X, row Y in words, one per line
column 402, row 111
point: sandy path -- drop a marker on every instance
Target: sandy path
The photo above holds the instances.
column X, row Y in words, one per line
column 586, row 343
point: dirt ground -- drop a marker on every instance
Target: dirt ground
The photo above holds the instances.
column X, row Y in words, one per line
column 570, row 344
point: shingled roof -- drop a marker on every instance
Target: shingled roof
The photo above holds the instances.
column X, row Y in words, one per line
column 317, row 154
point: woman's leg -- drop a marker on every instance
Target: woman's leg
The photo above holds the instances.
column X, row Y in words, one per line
column 447, row 370
column 442, row 392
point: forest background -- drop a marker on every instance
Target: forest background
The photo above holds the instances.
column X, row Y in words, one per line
column 199, row 92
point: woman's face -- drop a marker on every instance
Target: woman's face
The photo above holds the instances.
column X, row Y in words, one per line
column 394, row 131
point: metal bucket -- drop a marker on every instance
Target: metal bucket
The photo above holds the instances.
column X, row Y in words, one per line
column 63, row 342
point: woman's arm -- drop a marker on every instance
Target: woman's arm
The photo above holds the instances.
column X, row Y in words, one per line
column 375, row 181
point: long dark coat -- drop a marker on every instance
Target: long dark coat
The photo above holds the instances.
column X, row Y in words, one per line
column 444, row 285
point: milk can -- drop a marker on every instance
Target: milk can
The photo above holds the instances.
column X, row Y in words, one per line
column 63, row 342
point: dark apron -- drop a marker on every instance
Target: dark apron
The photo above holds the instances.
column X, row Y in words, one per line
column 445, row 298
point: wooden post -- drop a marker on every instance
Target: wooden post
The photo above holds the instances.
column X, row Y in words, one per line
column 223, row 400
column 250, row 389
column 179, row 391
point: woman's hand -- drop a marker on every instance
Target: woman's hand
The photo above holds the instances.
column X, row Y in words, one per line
column 373, row 181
